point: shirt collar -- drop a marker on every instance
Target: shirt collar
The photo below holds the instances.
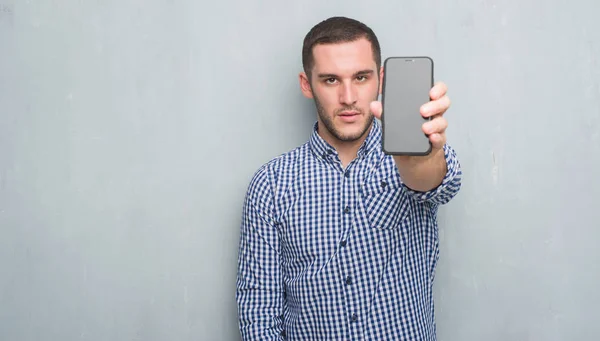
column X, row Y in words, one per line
column 322, row 149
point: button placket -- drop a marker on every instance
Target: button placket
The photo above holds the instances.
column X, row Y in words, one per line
column 348, row 182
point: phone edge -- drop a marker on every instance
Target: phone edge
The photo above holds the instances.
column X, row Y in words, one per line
column 428, row 151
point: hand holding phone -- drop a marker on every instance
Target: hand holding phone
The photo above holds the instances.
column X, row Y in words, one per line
column 407, row 82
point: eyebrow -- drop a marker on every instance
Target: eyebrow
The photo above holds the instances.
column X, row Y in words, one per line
column 359, row 73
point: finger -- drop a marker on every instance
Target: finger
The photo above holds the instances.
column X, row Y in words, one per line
column 438, row 90
column 435, row 107
column 437, row 140
column 437, row 125
column 376, row 109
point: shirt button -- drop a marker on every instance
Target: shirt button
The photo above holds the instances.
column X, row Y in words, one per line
column 347, row 174
column 354, row 317
column 383, row 184
column 347, row 209
column 348, row 280
column 343, row 243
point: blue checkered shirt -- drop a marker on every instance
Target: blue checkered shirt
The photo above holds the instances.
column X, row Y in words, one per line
column 328, row 253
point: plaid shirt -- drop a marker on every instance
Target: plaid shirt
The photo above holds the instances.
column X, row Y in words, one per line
column 328, row 253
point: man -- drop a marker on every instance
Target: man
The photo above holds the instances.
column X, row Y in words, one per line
column 339, row 240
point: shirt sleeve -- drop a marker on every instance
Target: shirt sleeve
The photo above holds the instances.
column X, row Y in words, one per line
column 259, row 292
column 450, row 184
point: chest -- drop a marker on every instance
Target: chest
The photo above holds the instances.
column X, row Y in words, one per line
column 327, row 205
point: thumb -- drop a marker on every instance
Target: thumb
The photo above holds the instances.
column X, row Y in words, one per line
column 376, row 109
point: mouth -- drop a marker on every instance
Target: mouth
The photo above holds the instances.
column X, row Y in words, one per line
column 349, row 116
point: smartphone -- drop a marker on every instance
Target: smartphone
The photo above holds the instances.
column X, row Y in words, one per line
column 406, row 85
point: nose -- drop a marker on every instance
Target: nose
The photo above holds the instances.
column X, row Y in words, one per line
column 347, row 93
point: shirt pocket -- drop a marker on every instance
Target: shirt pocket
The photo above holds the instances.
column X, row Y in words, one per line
column 385, row 202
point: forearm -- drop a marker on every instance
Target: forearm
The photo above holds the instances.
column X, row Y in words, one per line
column 422, row 173
column 260, row 314
column 259, row 288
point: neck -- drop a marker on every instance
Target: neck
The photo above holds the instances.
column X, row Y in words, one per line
column 347, row 150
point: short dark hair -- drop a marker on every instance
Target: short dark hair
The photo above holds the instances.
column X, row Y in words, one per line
column 337, row 30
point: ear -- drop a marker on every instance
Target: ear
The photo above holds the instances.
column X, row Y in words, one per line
column 305, row 85
column 380, row 79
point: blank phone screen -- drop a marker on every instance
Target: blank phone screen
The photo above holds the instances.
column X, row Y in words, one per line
column 406, row 85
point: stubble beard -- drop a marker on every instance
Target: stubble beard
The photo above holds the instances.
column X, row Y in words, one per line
column 329, row 125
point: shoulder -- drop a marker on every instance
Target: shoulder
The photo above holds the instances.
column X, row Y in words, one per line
column 274, row 174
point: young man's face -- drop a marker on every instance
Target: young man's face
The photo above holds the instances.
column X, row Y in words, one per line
column 344, row 82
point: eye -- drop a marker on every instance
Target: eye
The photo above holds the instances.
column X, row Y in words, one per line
column 330, row 80
column 361, row 78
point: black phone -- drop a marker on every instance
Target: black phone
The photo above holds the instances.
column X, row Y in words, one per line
column 407, row 82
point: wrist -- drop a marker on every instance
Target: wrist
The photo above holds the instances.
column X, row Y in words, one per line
column 422, row 173
column 410, row 161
